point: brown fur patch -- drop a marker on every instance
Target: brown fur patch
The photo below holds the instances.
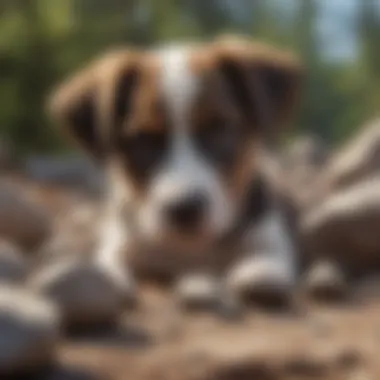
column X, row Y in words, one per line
column 261, row 98
column 147, row 109
column 246, row 85
column 273, row 78
column 87, row 104
column 82, row 103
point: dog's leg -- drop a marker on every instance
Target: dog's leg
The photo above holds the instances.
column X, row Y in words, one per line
column 199, row 290
column 267, row 270
column 95, row 291
column 113, row 246
column 204, row 291
column 116, row 242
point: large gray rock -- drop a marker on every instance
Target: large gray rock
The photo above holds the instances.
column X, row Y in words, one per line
column 345, row 227
column 22, row 221
column 29, row 332
column 74, row 233
column 87, row 294
column 13, row 266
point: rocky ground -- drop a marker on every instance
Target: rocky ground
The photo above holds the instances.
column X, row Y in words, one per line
column 330, row 329
column 311, row 342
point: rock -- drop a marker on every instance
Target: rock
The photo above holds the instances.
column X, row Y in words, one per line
column 346, row 226
column 261, row 280
column 302, row 165
column 87, row 294
column 21, row 221
column 73, row 171
column 200, row 291
column 13, row 267
column 74, row 233
column 306, row 151
column 355, row 161
column 325, row 281
column 29, row 332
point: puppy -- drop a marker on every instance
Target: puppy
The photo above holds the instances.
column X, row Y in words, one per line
column 180, row 133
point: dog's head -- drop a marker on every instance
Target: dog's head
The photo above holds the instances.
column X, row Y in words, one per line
column 177, row 128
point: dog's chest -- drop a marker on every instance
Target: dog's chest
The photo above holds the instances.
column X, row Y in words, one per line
column 242, row 238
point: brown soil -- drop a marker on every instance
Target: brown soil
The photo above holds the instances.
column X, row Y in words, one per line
column 158, row 343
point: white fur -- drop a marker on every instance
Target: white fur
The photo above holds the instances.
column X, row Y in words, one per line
column 184, row 170
column 112, row 240
column 271, row 235
column 115, row 238
column 269, row 254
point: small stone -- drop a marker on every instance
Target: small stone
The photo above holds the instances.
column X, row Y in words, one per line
column 13, row 267
column 349, row 359
column 325, row 280
column 200, row 291
column 29, row 332
column 87, row 294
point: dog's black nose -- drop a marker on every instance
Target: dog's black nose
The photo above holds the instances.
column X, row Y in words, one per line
column 187, row 212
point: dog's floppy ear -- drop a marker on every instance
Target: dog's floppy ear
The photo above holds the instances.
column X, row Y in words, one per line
column 87, row 105
column 265, row 82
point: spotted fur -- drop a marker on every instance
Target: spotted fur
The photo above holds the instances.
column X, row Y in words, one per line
column 175, row 121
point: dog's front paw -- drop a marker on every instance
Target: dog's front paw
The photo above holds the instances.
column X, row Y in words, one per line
column 262, row 280
column 86, row 293
column 198, row 292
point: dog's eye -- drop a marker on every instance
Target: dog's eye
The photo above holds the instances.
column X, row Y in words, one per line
column 144, row 151
column 220, row 142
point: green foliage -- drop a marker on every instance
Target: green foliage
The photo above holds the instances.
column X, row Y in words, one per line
column 44, row 40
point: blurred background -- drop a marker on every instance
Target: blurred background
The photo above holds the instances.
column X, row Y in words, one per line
column 43, row 40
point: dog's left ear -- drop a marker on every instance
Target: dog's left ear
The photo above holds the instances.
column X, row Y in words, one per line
column 264, row 81
column 88, row 105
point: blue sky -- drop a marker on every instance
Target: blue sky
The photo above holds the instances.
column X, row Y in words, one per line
column 336, row 28
column 335, row 24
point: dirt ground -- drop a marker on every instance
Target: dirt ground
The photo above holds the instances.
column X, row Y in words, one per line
column 158, row 343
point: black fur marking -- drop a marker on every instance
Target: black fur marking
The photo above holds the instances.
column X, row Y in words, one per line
column 257, row 202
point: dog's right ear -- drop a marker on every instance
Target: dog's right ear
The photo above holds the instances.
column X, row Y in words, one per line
column 88, row 105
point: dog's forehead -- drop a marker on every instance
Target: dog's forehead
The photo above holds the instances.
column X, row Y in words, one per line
column 171, row 85
column 177, row 81
column 179, row 72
